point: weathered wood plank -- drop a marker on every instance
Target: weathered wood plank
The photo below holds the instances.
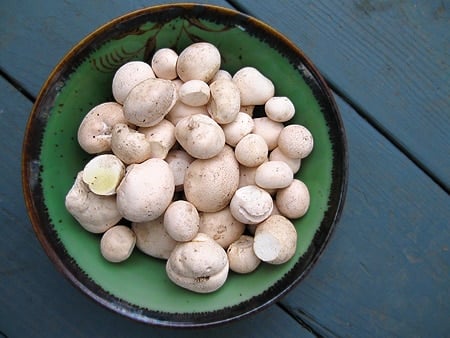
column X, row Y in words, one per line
column 40, row 33
column 391, row 59
column 36, row 299
column 386, row 271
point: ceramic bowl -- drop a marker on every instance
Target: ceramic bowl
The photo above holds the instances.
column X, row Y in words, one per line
column 139, row 288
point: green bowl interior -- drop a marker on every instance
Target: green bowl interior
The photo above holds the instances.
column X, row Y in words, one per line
column 83, row 80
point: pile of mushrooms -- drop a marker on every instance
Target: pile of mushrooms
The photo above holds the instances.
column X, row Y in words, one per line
column 182, row 170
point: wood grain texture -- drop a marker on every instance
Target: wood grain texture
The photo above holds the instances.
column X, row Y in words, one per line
column 386, row 271
column 390, row 58
column 36, row 299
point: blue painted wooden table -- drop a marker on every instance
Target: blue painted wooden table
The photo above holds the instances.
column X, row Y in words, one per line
column 385, row 271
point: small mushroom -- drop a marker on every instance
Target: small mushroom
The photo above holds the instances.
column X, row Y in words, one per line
column 128, row 76
column 94, row 132
column 200, row 136
column 293, row 163
column 251, row 150
column 221, row 226
column 181, row 221
column 225, row 101
column 143, row 197
column 103, row 174
column 130, row 145
column 179, row 161
column 161, row 138
column 221, row 74
column 279, row 109
column 200, row 265
column 180, row 110
column 275, row 240
column 152, row 239
column 293, row 201
column 269, row 130
column 241, row 256
column 149, row 102
column 117, row 243
column 254, row 87
column 95, row 213
column 198, row 61
column 164, row 63
column 210, row 184
column 237, row 129
column 251, row 204
column 194, row 93
column 295, row 141
column 273, row 175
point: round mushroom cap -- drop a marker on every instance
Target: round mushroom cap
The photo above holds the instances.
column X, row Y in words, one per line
column 117, row 243
column 251, row 204
column 164, row 63
column 198, row 61
column 273, row 175
column 279, row 109
column 269, row 130
column 181, row 221
column 128, row 76
column 293, row 201
column 255, row 88
column 251, row 150
column 295, row 141
column 241, row 256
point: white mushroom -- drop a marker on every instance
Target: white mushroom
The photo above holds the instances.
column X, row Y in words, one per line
column 181, row 221
column 179, row 161
column 95, row 213
column 279, row 109
column 251, row 150
column 146, row 190
column 149, row 101
column 128, row 76
column 241, row 256
column 269, row 130
column 194, row 93
column 200, row 136
column 94, row 132
column 210, row 184
column 295, row 141
column 129, row 145
column 198, row 61
column 152, row 239
column 251, row 204
column 254, row 87
column 221, row 74
column 161, row 138
column 225, row 101
column 293, row 201
column 117, row 243
column 103, row 174
column 180, row 110
column 293, row 163
column 273, row 175
column 275, row 240
column 237, row 129
column 200, row 265
column 221, row 226
column 164, row 63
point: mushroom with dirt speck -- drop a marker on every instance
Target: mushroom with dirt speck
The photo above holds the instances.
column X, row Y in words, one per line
column 198, row 61
column 269, row 130
column 251, row 204
column 295, row 141
column 273, row 175
column 128, row 76
column 164, row 63
column 161, row 138
column 129, row 145
column 237, row 129
column 293, row 201
column 293, row 163
column 194, row 93
column 279, row 109
column 181, row 221
column 241, row 256
column 117, row 243
column 255, row 88
column 225, row 101
column 251, row 150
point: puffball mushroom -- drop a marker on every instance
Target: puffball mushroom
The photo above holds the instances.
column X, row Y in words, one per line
column 293, row 201
column 273, row 175
column 198, row 61
column 103, row 174
column 94, row 132
column 180, row 110
column 210, row 184
column 295, row 141
column 149, row 102
column 129, row 145
column 128, row 76
column 293, row 163
column 200, row 265
column 225, row 101
column 95, row 213
column 254, row 87
column 237, row 129
column 221, row 226
column 279, row 109
column 251, row 204
column 117, row 243
column 269, row 130
column 164, row 63
column 241, row 256
column 194, row 93
column 200, row 136
column 161, row 138
column 181, row 221
column 152, row 239
column 251, row 150
column 275, row 240
column 146, row 190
